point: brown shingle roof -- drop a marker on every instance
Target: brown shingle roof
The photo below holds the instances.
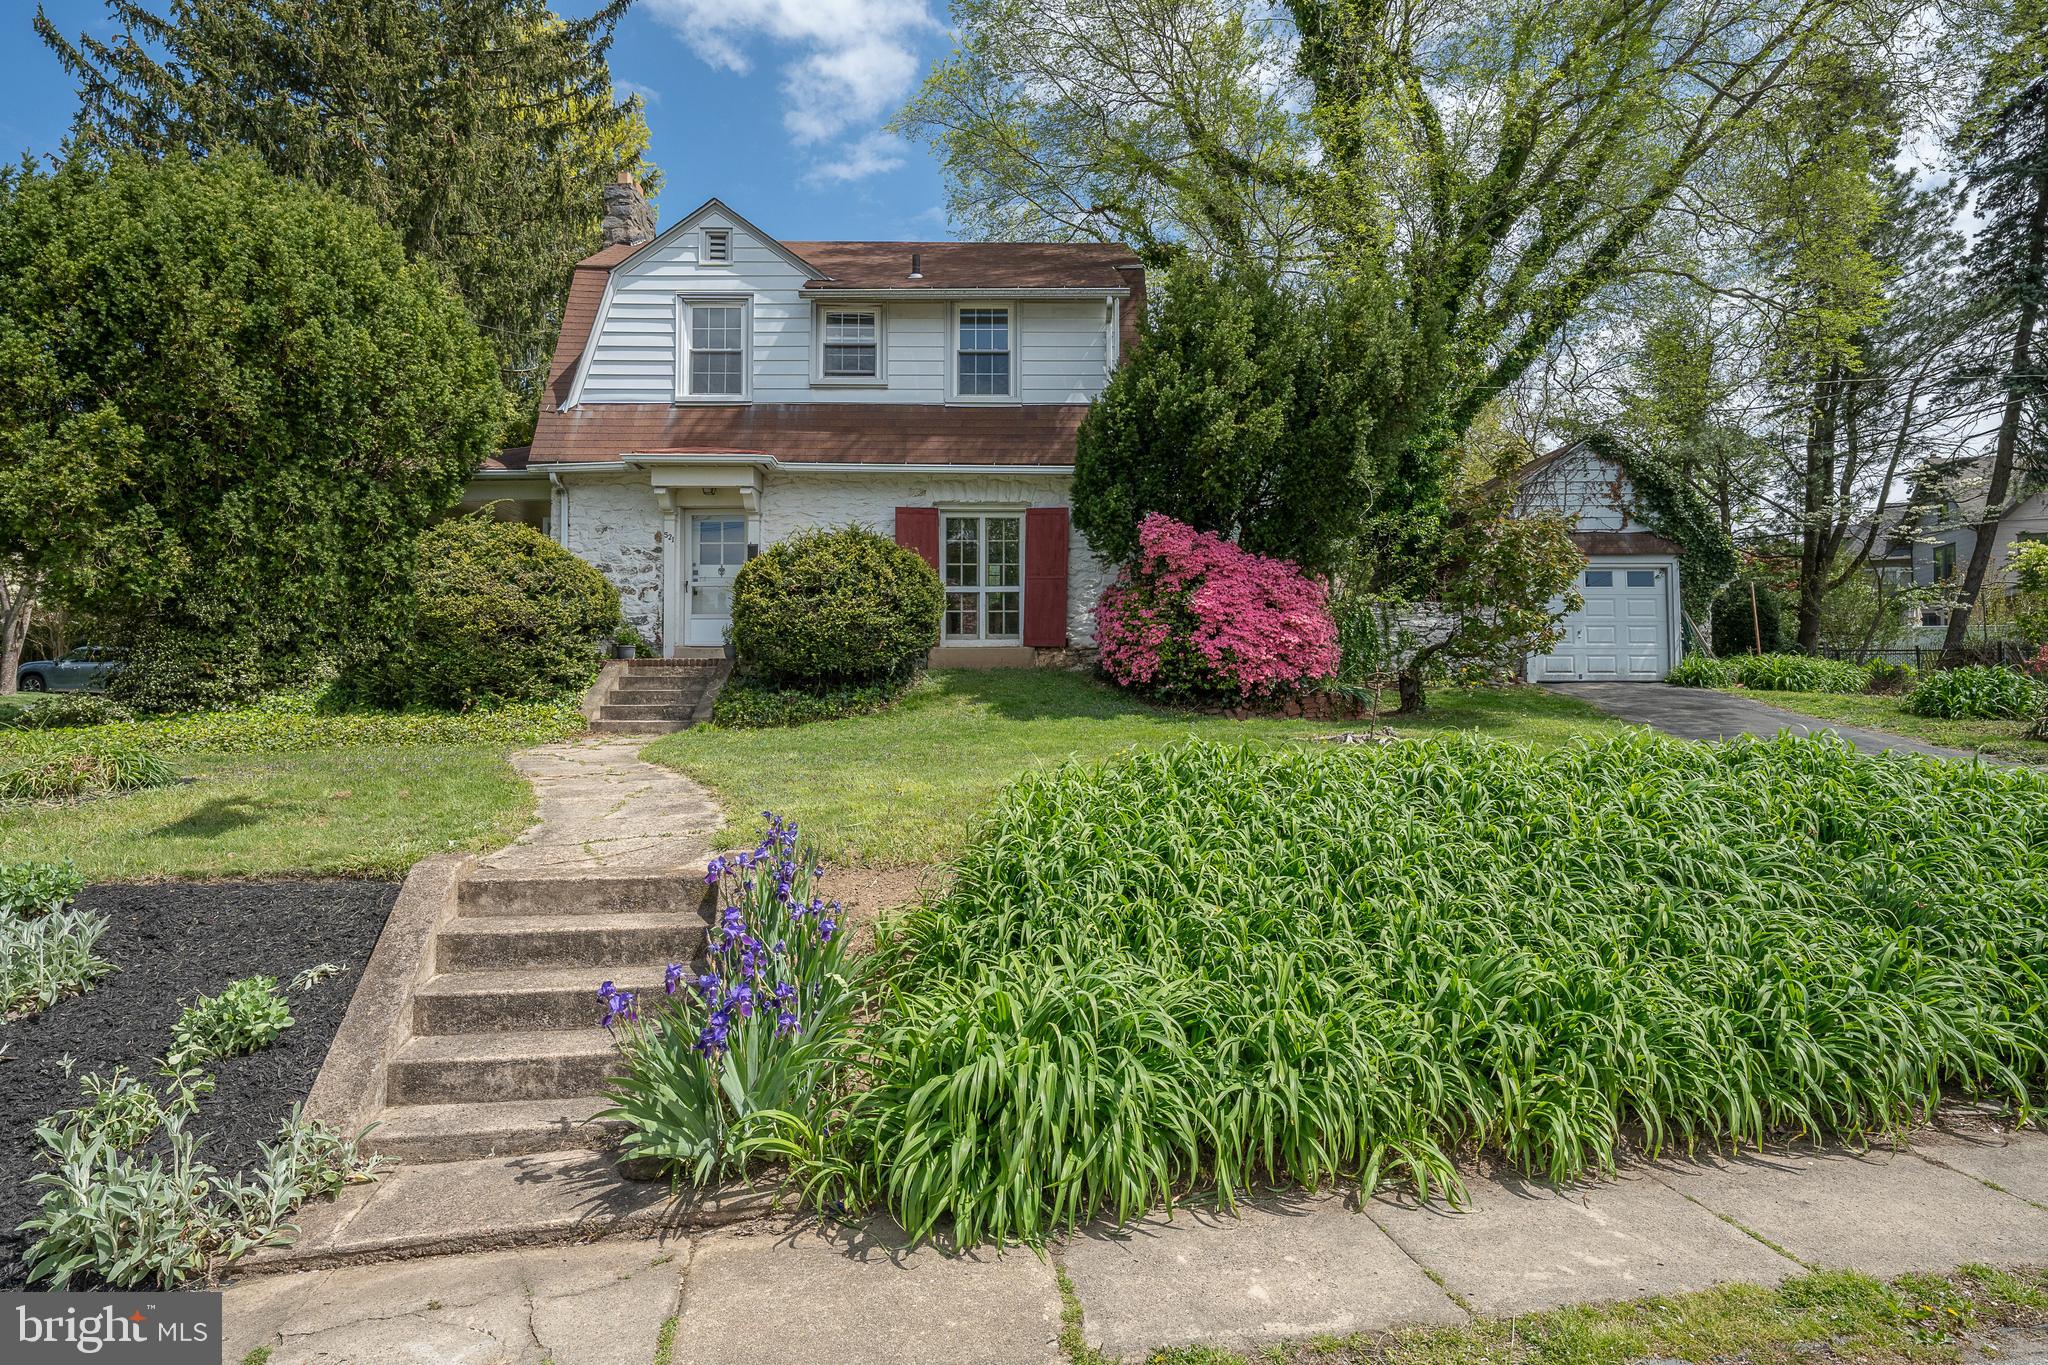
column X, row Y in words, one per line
column 966, row 265
column 815, row 433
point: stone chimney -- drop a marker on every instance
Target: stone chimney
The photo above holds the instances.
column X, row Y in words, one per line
column 628, row 221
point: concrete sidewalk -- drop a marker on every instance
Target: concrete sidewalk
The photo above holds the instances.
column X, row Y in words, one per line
column 1288, row 1266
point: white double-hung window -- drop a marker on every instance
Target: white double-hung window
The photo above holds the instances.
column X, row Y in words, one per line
column 983, row 559
column 850, row 345
column 983, row 361
column 714, row 334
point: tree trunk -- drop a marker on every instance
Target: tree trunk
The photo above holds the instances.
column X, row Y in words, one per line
column 17, row 607
column 1817, row 505
column 2007, row 451
column 1413, row 698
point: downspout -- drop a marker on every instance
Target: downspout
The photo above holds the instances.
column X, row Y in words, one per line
column 558, row 494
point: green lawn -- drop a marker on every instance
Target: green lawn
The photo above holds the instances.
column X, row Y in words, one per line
column 901, row 787
column 1997, row 738
column 370, row 811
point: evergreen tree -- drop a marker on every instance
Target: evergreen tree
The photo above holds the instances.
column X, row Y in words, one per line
column 1228, row 416
column 481, row 131
column 2006, row 142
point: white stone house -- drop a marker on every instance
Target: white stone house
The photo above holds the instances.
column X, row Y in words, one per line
column 1629, row 628
column 715, row 390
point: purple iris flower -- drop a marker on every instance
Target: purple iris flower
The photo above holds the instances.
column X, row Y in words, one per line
column 785, row 1024
column 672, row 978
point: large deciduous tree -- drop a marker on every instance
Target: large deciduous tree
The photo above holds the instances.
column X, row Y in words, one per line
column 481, row 131
column 1231, row 415
column 228, row 404
column 1478, row 172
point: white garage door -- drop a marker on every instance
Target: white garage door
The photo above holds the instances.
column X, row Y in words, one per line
column 1623, row 631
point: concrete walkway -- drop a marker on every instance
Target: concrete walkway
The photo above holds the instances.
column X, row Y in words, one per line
column 1287, row 1267
column 1708, row 713
column 603, row 809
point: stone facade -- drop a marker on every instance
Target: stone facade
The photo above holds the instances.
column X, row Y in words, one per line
column 615, row 522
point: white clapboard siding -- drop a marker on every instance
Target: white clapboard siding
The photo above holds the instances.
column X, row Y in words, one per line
column 1062, row 347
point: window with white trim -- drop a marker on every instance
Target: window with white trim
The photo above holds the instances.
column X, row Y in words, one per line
column 850, row 344
column 982, row 358
column 714, row 334
column 982, row 556
column 717, row 246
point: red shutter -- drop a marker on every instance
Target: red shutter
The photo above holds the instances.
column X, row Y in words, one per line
column 1045, row 577
column 917, row 528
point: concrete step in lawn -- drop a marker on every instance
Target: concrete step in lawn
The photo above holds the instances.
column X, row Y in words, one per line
column 493, row 892
column 477, row 1068
column 509, row 942
column 658, row 696
column 525, row 999
column 457, row 1132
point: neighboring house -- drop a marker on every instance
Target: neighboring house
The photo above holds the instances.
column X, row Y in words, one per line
column 716, row 390
column 1947, row 533
column 1629, row 628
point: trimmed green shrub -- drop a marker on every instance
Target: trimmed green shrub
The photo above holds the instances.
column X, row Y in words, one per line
column 244, row 1018
column 1699, row 670
column 97, row 767
column 170, row 670
column 30, row 890
column 1735, row 632
column 67, row 711
column 1977, row 692
column 1221, row 966
column 833, row 608
column 747, row 703
column 500, row 614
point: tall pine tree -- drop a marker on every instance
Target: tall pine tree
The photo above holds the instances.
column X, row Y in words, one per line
column 481, row 131
column 2006, row 144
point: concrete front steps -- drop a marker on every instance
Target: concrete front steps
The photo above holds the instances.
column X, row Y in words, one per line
column 656, row 696
column 504, row 1055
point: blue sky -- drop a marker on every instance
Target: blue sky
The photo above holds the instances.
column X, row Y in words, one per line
column 776, row 106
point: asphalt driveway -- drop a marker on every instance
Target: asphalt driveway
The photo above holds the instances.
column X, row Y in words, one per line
column 1704, row 713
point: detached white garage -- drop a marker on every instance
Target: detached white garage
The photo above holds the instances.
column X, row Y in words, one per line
column 1628, row 630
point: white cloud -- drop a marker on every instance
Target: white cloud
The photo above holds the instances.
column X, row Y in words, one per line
column 874, row 154
column 625, row 90
column 853, row 59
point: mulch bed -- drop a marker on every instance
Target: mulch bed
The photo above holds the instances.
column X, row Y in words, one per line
column 174, row 941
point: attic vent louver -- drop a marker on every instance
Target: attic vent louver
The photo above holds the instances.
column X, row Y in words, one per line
column 917, row 265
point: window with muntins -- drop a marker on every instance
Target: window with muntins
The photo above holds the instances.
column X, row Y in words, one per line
column 983, row 560
column 852, row 344
column 717, row 345
column 984, row 355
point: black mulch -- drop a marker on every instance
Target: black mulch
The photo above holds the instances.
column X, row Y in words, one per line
column 174, row 941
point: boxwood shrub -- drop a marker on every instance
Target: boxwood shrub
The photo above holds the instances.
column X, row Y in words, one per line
column 750, row 703
column 500, row 614
column 834, row 608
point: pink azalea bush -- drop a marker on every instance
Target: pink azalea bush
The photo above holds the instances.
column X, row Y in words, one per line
column 1196, row 618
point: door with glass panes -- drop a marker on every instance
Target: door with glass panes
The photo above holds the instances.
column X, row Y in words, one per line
column 983, row 565
column 718, row 547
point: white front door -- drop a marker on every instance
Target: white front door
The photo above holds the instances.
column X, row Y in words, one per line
column 1623, row 632
column 718, row 546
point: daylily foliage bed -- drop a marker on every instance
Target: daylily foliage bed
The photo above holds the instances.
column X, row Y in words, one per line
column 1211, row 965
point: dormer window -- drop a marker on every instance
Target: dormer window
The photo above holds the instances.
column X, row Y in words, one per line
column 714, row 333
column 717, row 246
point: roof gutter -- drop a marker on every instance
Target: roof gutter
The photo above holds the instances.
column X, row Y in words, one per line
column 637, row 459
column 918, row 291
